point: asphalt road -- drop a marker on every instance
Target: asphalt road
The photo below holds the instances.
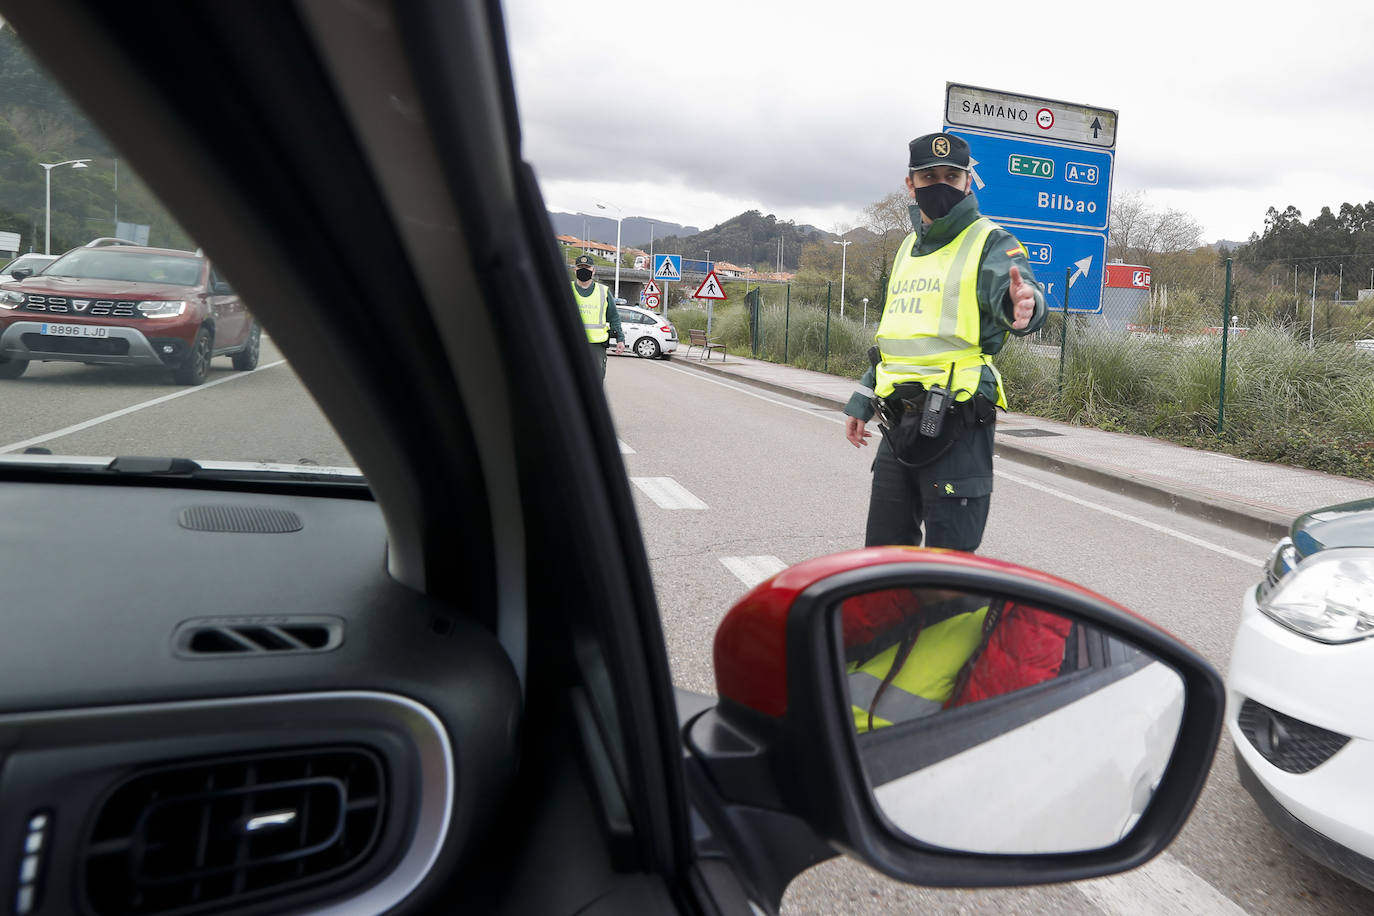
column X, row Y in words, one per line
column 73, row 409
column 771, row 481
column 768, row 477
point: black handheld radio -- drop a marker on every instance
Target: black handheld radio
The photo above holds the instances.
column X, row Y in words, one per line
column 938, row 402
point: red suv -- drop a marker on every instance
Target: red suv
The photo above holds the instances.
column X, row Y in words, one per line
column 126, row 306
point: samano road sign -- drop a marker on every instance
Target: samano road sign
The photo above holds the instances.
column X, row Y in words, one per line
column 710, row 288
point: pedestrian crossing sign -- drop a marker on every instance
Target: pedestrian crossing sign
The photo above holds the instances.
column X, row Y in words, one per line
column 667, row 267
column 710, row 288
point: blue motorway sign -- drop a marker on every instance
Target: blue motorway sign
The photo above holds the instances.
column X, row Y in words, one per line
column 1031, row 181
column 667, row 267
column 1052, row 251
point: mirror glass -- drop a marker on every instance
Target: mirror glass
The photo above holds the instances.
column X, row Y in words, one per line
column 989, row 725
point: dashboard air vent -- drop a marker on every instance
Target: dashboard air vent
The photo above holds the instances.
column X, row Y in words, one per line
column 228, row 832
column 219, row 636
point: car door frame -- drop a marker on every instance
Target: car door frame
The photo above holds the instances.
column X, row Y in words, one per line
column 417, row 427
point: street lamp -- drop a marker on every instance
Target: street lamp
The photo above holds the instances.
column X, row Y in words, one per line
column 844, row 252
column 865, row 311
column 47, row 196
column 602, row 206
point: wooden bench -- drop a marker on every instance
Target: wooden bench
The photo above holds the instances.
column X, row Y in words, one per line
column 698, row 338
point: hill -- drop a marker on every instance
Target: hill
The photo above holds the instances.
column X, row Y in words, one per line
column 748, row 239
column 634, row 230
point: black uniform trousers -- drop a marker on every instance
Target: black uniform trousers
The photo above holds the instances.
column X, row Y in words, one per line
column 949, row 496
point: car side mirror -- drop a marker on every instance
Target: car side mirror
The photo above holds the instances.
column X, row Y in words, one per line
column 955, row 721
column 22, row 273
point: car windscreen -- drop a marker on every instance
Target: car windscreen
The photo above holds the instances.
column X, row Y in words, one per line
column 132, row 266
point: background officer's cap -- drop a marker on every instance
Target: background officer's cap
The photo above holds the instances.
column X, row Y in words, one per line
column 584, row 259
column 938, row 149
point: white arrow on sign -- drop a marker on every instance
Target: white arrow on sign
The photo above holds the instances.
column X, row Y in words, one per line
column 1083, row 267
column 972, row 170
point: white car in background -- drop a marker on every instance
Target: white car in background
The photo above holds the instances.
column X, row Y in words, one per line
column 32, row 262
column 647, row 335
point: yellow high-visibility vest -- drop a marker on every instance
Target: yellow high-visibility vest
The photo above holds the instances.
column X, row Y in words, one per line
column 926, row 680
column 931, row 320
column 593, row 309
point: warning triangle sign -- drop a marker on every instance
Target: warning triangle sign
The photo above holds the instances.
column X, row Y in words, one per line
column 710, row 288
column 651, row 289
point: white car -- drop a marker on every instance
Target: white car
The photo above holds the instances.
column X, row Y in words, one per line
column 32, row 262
column 1298, row 689
column 647, row 335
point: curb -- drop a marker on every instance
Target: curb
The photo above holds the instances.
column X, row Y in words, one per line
column 1239, row 516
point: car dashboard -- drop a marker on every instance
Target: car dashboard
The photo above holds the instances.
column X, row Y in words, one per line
column 213, row 699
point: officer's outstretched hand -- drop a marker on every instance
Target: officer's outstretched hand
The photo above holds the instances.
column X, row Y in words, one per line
column 856, row 432
column 1022, row 300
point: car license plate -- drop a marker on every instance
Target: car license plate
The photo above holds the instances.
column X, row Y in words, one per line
column 75, row 330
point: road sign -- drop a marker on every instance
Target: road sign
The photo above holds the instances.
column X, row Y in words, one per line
column 651, row 301
column 651, row 289
column 1052, row 251
column 667, row 267
column 1043, row 169
column 710, row 288
column 1052, row 184
column 1045, row 119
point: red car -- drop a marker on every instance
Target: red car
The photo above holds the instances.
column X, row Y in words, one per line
column 126, row 306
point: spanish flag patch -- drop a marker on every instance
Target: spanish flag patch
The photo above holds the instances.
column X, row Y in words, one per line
column 1019, row 249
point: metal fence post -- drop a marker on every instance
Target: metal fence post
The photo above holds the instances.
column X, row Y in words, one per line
column 786, row 322
column 1225, row 338
column 828, row 284
column 1064, row 331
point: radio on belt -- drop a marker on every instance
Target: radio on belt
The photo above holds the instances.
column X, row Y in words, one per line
column 937, row 405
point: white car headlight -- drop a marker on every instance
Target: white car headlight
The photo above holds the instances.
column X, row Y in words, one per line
column 9, row 299
column 1329, row 597
column 162, row 308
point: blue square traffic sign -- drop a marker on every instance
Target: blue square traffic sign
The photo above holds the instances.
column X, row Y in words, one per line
column 1053, row 251
column 667, row 267
column 1048, row 184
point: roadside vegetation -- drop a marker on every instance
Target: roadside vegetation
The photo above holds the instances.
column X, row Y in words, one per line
column 1299, row 388
column 1288, row 400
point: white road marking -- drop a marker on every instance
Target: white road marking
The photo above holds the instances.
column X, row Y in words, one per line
column 625, row 449
column 753, row 570
column 1163, row 886
column 1162, row 529
column 667, row 493
column 115, row 415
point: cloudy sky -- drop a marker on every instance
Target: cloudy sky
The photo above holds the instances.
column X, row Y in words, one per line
column 694, row 112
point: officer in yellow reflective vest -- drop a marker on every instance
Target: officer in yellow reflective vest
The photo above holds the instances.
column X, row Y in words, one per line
column 600, row 317
column 960, row 284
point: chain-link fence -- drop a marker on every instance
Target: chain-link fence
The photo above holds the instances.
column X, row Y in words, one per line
column 797, row 323
column 1269, row 360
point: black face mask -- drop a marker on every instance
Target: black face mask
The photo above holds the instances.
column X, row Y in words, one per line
column 584, row 274
column 937, row 200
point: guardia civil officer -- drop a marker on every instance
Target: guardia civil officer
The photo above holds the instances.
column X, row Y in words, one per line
column 600, row 317
column 959, row 285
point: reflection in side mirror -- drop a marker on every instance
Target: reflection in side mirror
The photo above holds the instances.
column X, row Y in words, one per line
column 988, row 725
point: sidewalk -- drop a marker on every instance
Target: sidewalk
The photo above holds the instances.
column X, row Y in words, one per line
column 1254, row 497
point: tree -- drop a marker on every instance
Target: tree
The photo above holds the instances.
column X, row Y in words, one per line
column 1140, row 232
